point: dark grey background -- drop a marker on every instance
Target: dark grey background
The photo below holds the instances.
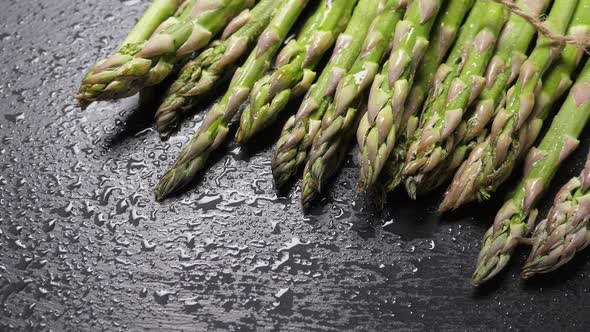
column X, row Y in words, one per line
column 83, row 245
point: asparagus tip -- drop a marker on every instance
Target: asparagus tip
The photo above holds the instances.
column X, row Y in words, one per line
column 167, row 185
column 412, row 187
column 527, row 273
column 491, row 265
column 309, row 191
column 362, row 186
column 476, row 283
column 280, row 180
column 241, row 137
column 463, row 188
column 307, row 198
column 446, row 205
column 82, row 102
column 480, row 278
column 159, row 193
column 167, row 116
column 365, row 182
column 164, row 129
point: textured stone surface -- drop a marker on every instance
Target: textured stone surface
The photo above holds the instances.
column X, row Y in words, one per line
column 84, row 246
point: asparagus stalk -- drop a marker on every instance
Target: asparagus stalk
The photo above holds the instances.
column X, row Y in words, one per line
column 566, row 230
column 556, row 82
column 214, row 128
column 504, row 66
column 158, row 12
column 443, row 37
column 336, row 129
column 296, row 65
column 148, row 63
column 377, row 129
column 491, row 162
column 202, row 74
column 510, row 223
column 435, row 138
column 300, row 129
column 501, row 72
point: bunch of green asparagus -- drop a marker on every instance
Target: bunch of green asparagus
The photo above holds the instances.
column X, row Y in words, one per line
column 437, row 92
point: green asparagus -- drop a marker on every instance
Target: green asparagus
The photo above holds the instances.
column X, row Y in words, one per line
column 378, row 127
column 202, row 74
column 295, row 68
column 510, row 223
column 158, row 12
column 491, row 162
column 214, row 128
column 504, row 66
column 501, row 72
column 148, row 63
column 337, row 126
column 556, row 82
column 443, row 37
column 566, row 230
column 437, row 134
column 300, row 129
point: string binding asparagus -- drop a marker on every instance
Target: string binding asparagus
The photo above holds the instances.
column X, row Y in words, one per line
column 558, row 39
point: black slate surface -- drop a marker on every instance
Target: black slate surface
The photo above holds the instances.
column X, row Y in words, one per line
column 84, row 246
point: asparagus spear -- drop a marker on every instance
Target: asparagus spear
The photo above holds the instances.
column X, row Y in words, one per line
column 295, row 68
column 566, row 230
column 561, row 140
column 438, row 132
column 200, row 75
column 214, row 128
column 336, row 129
column 300, row 129
column 501, row 72
column 377, row 129
column 491, row 162
column 556, row 82
column 504, row 66
column 158, row 12
column 148, row 63
column 443, row 37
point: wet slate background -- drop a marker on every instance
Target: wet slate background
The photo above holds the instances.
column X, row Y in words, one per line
column 83, row 245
